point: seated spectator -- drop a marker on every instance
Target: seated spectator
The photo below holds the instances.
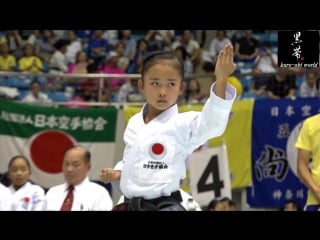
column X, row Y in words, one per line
column 166, row 37
column 84, row 36
column 125, row 37
column 111, row 36
column 25, row 196
column 73, row 47
column 90, row 87
column 281, row 85
column 129, row 92
column 44, row 46
column 228, row 204
column 291, row 205
column 14, row 42
column 7, row 61
column 98, row 47
column 139, row 53
column 246, row 48
column 111, row 67
column 87, row 195
column 215, row 205
column 258, row 87
column 191, row 45
column 80, row 65
column 308, row 87
column 222, row 204
column 264, row 63
column 154, row 44
column 29, row 62
column 77, row 98
column 181, row 52
column 159, row 39
column 32, row 38
column 58, row 61
column 193, row 93
column 123, row 61
column 35, row 95
column 217, row 43
column 58, row 65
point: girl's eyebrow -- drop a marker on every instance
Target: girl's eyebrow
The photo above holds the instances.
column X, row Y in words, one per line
column 169, row 79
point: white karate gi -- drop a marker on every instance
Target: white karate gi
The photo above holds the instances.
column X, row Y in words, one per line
column 27, row 198
column 154, row 157
column 4, row 195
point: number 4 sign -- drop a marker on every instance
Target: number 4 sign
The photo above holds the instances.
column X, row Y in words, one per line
column 209, row 174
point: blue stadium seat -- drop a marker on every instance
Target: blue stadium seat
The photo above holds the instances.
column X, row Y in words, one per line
column 22, row 94
column 46, row 67
column 3, row 81
column 261, row 37
column 42, row 80
column 19, row 82
column 59, row 96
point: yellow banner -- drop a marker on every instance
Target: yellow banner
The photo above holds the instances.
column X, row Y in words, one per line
column 129, row 111
column 237, row 138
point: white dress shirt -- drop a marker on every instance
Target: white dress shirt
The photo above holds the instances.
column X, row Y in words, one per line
column 87, row 196
column 42, row 98
column 154, row 157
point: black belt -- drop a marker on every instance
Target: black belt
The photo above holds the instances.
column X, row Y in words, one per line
column 139, row 202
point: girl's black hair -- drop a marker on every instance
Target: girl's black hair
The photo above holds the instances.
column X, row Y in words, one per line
column 184, row 52
column 20, row 156
column 154, row 57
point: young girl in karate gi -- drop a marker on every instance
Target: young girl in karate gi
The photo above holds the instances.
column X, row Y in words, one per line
column 158, row 139
column 25, row 196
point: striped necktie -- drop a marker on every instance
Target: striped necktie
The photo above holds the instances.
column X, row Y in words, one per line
column 67, row 203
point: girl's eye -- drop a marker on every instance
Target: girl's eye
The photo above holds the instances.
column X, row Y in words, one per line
column 172, row 84
column 154, row 84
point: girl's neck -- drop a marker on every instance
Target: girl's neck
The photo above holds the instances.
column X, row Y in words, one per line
column 150, row 114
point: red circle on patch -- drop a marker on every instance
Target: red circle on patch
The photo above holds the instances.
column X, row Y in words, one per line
column 47, row 150
column 157, row 148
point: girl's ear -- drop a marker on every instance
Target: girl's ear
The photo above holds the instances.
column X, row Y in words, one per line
column 140, row 84
column 182, row 88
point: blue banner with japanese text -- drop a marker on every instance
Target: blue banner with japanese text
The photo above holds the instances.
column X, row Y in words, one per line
column 275, row 128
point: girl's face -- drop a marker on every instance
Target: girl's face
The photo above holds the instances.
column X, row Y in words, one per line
column 178, row 53
column 143, row 46
column 193, row 86
column 4, row 48
column 82, row 57
column 28, row 51
column 161, row 87
column 120, row 49
column 47, row 34
column 19, row 172
column 72, row 36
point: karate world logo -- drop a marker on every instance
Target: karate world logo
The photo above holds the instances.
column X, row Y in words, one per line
column 298, row 48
